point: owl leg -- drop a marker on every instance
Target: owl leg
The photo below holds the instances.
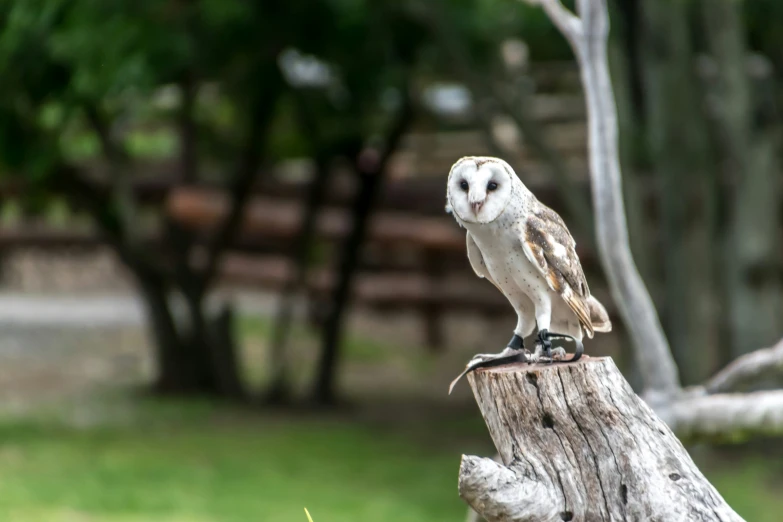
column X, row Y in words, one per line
column 515, row 345
column 543, row 319
column 544, row 350
column 488, row 360
column 525, row 326
column 544, row 347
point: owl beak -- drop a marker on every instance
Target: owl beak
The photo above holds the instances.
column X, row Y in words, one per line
column 476, row 206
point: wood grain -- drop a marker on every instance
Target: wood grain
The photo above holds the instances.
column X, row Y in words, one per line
column 578, row 444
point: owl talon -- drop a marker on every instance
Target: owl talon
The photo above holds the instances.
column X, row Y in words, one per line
column 481, row 358
column 546, row 344
column 488, row 360
column 535, row 357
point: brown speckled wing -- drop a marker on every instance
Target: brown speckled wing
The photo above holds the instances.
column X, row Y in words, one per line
column 550, row 247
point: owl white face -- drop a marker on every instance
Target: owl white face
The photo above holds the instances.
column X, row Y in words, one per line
column 479, row 189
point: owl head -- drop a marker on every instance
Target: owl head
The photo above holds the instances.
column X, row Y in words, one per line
column 479, row 188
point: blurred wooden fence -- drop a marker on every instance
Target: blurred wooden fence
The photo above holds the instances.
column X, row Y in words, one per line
column 415, row 257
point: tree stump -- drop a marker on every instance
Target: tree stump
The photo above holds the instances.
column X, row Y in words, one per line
column 578, row 444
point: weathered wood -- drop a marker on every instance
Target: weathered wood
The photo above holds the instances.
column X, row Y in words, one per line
column 578, row 444
column 749, row 370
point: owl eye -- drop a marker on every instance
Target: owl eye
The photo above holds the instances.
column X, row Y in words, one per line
column 464, row 185
column 492, row 185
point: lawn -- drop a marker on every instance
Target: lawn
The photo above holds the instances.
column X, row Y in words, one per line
column 174, row 462
column 196, row 463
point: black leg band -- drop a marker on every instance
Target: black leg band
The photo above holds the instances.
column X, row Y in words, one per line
column 516, row 343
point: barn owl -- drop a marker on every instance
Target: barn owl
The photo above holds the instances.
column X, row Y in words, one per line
column 523, row 248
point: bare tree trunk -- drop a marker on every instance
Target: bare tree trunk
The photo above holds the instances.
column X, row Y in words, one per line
column 588, row 35
column 174, row 371
column 278, row 391
column 225, row 354
column 364, row 200
column 749, row 148
column 371, row 167
column 753, row 251
column 210, row 346
column 677, row 137
column 578, row 444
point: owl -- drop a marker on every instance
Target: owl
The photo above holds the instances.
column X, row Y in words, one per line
column 523, row 248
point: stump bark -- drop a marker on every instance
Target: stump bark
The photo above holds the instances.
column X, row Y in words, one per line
column 578, row 444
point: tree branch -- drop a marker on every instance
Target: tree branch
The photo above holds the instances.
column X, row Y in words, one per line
column 568, row 23
column 96, row 199
column 188, row 136
column 725, row 417
column 97, row 120
column 496, row 492
column 117, row 157
column 633, row 300
column 748, row 370
column 245, row 176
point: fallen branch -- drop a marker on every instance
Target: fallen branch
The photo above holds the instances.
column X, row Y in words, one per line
column 497, row 491
column 727, row 417
column 747, row 370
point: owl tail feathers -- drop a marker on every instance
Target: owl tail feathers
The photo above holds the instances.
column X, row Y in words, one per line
column 598, row 316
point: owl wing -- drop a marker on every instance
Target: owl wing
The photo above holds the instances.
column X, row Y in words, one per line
column 550, row 247
column 476, row 259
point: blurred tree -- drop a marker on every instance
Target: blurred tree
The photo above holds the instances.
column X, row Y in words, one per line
column 747, row 132
column 237, row 85
column 711, row 131
column 358, row 119
column 87, row 67
column 339, row 70
column 680, row 157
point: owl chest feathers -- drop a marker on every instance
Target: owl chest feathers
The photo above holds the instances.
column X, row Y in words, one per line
column 502, row 252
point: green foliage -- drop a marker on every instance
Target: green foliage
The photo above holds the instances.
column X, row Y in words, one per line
column 59, row 57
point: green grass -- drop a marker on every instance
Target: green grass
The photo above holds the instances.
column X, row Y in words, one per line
column 174, row 462
column 212, row 467
column 751, row 484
